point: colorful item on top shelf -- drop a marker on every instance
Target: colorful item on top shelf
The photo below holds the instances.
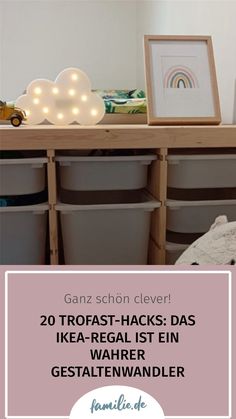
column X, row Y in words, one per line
column 10, row 112
column 124, row 101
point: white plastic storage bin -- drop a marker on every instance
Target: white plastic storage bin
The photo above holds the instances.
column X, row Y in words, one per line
column 197, row 216
column 103, row 172
column 174, row 251
column 23, row 235
column 202, row 171
column 106, row 234
column 22, row 176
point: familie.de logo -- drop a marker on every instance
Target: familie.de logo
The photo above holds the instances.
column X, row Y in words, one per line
column 117, row 401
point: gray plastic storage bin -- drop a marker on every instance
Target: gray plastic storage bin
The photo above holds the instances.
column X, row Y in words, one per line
column 103, row 172
column 174, row 251
column 197, row 216
column 202, row 171
column 22, row 176
column 23, row 234
column 107, row 234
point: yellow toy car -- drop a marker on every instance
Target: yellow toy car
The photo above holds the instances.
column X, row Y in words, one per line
column 9, row 112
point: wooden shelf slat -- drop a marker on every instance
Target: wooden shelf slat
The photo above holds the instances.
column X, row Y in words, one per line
column 44, row 137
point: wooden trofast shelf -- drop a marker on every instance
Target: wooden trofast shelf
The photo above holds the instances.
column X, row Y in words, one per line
column 161, row 139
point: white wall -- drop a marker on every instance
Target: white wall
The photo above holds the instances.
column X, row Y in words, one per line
column 215, row 18
column 150, row 21
column 39, row 38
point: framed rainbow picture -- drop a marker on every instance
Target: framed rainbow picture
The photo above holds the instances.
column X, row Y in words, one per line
column 181, row 82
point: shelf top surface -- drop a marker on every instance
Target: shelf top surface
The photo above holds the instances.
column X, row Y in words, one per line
column 44, row 137
column 112, row 127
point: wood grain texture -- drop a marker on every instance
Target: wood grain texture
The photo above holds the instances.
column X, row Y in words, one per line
column 52, row 200
column 156, row 256
column 157, row 179
column 115, row 136
column 215, row 92
column 157, row 186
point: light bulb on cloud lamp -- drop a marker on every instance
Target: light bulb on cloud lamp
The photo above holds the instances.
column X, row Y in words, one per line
column 74, row 78
column 75, row 111
column 32, row 110
column 45, row 110
column 71, row 92
column 55, row 90
column 92, row 110
column 84, row 98
column 40, row 88
column 37, row 90
column 61, row 117
column 36, row 100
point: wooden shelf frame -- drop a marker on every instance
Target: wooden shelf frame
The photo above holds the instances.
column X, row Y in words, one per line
column 158, row 138
column 49, row 137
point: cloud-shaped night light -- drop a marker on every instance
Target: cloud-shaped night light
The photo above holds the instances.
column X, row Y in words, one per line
column 69, row 99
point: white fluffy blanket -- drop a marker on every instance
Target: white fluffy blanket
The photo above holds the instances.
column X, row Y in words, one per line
column 217, row 246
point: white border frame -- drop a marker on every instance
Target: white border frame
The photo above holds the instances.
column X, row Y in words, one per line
column 229, row 273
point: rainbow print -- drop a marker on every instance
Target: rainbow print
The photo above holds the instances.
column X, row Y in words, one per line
column 178, row 77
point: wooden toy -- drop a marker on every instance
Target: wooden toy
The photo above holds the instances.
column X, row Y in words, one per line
column 9, row 112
